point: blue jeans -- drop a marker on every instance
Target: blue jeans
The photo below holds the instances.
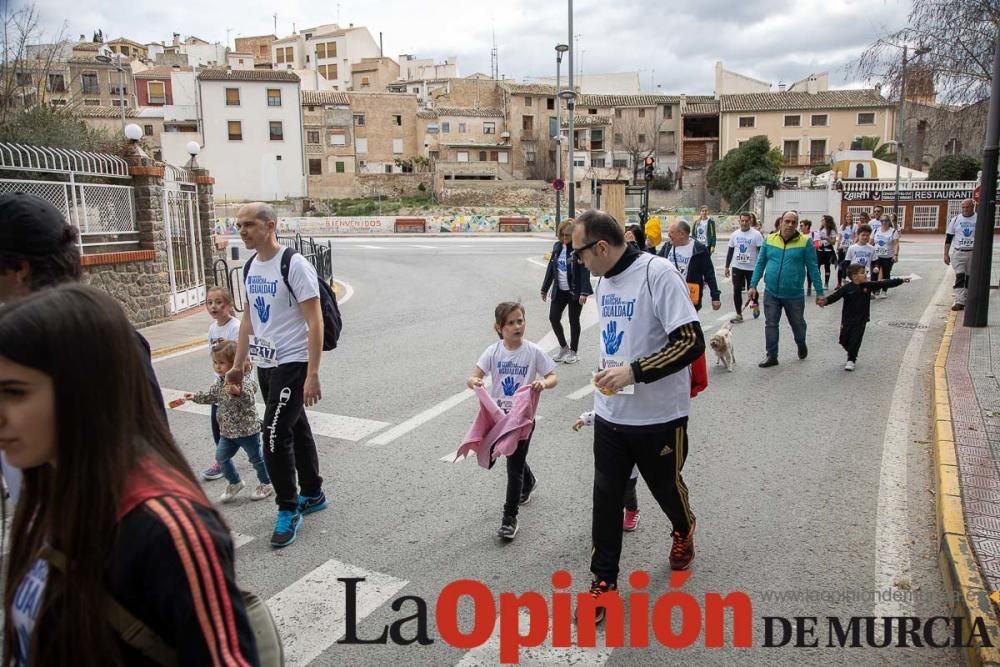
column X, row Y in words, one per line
column 227, row 449
column 794, row 308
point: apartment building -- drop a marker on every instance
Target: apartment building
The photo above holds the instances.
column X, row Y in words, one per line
column 328, row 49
column 467, row 142
column 80, row 80
column 385, row 131
column 331, row 166
column 129, row 49
column 530, row 111
column 374, row 74
column 259, row 46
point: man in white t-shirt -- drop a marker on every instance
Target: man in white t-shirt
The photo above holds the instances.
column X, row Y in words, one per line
column 744, row 246
column 650, row 335
column 959, row 239
column 282, row 334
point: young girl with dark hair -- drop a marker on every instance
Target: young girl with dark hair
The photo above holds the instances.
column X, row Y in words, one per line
column 110, row 520
column 825, row 252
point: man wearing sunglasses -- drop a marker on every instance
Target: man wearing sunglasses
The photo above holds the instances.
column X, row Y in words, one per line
column 649, row 336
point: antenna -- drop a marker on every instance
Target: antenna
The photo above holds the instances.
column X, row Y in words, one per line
column 228, row 30
column 494, row 57
column 338, row 13
column 276, row 23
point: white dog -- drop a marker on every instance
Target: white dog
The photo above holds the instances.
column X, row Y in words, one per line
column 722, row 342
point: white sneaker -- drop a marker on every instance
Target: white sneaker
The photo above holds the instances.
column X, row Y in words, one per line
column 562, row 355
column 232, row 490
column 262, row 491
column 849, row 366
column 571, row 358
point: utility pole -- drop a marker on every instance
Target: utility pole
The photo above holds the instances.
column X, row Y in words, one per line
column 560, row 50
column 572, row 134
column 978, row 308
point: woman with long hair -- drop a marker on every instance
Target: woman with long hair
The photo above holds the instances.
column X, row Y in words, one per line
column 111, row 523
column 826, row 251
column 568, row 283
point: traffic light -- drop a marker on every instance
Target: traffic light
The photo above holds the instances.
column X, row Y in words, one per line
column 649, row 169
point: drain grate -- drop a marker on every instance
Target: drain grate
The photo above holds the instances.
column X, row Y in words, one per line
column 905, row 324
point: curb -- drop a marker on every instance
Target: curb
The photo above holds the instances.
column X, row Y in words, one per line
column 338, row 289
column 956, row 559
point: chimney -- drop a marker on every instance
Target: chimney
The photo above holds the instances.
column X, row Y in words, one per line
column 878, row 88
column 683, row 103
column 82, row 38
column 781, row 86
column 177, row 39
column 380, row 53
column 811, row 85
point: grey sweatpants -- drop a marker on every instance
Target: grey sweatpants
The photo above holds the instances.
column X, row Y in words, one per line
column 961, row 261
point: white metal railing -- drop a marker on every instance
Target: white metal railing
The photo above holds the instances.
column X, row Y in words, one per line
column 904, row 184
column 24, row 157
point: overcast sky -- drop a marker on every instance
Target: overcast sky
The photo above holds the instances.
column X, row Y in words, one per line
column 673, row 44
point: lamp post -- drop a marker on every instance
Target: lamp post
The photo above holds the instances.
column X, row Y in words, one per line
column 572, row 104
column 899, row 113
column 560, row 50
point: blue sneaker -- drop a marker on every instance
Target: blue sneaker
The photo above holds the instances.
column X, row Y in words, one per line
column 310, row 504
column 285, row 528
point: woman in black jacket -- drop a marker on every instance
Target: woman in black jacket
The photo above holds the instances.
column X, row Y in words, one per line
column 568, row 283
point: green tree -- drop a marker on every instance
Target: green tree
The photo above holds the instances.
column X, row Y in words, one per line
column 46, row 126
column 879, row 151
column 954, row 168
column 742, row 169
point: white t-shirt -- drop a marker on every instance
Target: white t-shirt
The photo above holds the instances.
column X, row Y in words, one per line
column 274, row 314
column 562, row 267
column 861, row 254
column 27, row 604
column 883, row 242
column 229, row 331
column 636, row 317
column 826, row 238
column 680, row 257
column 846, row 237
column 701, row 231
column 746, row 245
column 512, row 369
column 964, row 230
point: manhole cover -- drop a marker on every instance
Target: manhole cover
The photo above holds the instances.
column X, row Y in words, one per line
column 905, row 324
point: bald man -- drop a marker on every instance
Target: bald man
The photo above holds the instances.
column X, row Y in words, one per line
column 959, row 239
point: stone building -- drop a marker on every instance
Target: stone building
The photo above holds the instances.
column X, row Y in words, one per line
column 331, row 165
column 385, row 131
column 374, row 74
column 467, row 143
column 931, row 130
column 259, row 46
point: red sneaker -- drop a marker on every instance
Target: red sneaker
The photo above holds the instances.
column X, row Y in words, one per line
column 631, row 520
column 682, row 551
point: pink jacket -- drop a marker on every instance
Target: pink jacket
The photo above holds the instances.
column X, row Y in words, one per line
column 493, row 433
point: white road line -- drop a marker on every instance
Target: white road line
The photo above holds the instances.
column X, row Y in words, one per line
column 329, row 425
column 582, row 392
column 892, row 533
column 371, row 247
column 174, row 355
column 348, row 293
column 239, row 539
column 488, row 654
column 538, row 262
column 588, row 317
column 310, row 613
column 425, row 247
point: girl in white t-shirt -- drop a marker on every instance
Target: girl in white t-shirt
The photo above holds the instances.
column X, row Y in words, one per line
column 886, row 241
column 513, row 362
column 225, row 326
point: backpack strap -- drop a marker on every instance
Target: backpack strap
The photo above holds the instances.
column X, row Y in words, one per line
column 286, row 267
column 132, row 631
column 246, row 267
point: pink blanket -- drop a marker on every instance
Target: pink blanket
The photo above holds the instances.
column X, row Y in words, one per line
column 494, row 434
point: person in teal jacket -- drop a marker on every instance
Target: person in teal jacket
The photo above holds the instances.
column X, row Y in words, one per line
column 783, row 261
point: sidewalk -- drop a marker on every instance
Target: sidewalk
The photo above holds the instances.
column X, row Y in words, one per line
column 967, row 471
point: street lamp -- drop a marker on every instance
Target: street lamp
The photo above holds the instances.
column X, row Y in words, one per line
column 570, row 97
column 104, row 56
column 899, row 133
column 192, row 149
column 560, row 50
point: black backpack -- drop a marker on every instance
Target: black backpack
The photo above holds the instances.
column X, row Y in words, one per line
column 332, row 321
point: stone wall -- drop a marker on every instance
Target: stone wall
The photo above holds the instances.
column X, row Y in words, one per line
column 136, row 280
column 513, row 194
column 393, row 185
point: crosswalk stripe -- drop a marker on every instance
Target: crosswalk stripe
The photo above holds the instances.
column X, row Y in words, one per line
column 582, row 392
column 329, row 425
column 425, row 247
column 310, row 613
column 371, row 247
column 239, row 539
column 489, row 653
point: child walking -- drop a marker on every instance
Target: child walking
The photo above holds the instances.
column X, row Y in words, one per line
column 857, row 296
column 861, row 252
column 510, row 363
column 225, row 326
column 239, row 424
column 630, row 520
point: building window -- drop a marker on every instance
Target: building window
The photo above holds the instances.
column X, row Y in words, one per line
column 340, row 167
column 24, row 79
column 483, row 156
column 793, row 121
column 597, row 140
column 397, row 146
column 273, row 97
column 503, row 157
column 619, row 164
column 235, row 130
column 276, row 130
column 57, row 103
column 56, row 83
column 791, row 151
column 618, row 113
column 397, row 120
column 445, row 126
column 926, row 217
column 147, row 130
column 461, row 128
column 388, row 168
column 359, row 119
column 527, row 101
column 337, row 138
column 365, row 82
column 618, row 139
column 489, row 127
column 642, row 139
column 527, row 123
column 642, row 113
column 156, row 91
column 329, row 72
column 866, row 118
column 361, row 146
column 232, row 97
column 312, row 137
column 591, row 112
column 597, row 163
column 87, row 103
column 285, row 54
column 315, row 167
column 819, row 120
column 668, row 112
column 321, row 51
column 462, row 156
column 817, row 151
column 119, row 90
column 88, row 83
column 331, row 49
column 550, row 103
column 529, row 158
column 748, row 121
column 953, row 147
column 553, row 127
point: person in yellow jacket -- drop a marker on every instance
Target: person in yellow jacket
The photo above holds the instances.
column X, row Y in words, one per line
column 654, row 234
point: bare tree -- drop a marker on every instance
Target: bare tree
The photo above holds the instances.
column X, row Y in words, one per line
column 638, row 136
column 961, row 35
column 24, row 80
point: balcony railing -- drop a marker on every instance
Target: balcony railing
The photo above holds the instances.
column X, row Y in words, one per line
column 806, row 160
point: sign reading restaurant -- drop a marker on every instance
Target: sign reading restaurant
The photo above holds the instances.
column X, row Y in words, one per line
column 906, row 195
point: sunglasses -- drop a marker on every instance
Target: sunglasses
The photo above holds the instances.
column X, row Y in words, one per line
column 579, row 251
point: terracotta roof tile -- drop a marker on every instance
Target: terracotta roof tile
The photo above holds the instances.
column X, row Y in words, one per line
column 248, row 75
column 469, row 112
column 701, row 108
column 791, row 101
column 87, row 111
column 626, row 100
column 318, row 97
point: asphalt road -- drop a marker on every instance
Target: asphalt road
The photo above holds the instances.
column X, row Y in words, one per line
column 811, row 485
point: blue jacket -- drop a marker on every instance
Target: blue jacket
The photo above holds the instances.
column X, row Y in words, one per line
column 783, row 266
column 577, row 274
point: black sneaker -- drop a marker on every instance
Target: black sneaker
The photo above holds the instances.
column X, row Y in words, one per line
column 803, row 351
column 768, row 362
column 310, row 504
column 597, row 589
column 508, row 527
column 527, row 492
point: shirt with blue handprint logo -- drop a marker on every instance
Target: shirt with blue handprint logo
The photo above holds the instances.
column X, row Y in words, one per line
column 276, row 316
column 963, row 228
column 510, row 370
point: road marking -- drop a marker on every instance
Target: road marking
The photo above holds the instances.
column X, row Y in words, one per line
column 582, row 392
column 310, row 613
column 892, row 535
column 348, row 292
column 174, row 355
column 329, row 425
column 371, row 247
column 588, row 318
column 538, row 262
column 727, row 316
column 239, row 539
column 488, row 654
column 425, row 247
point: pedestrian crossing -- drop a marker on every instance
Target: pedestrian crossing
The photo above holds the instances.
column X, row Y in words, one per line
column 489, row 653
